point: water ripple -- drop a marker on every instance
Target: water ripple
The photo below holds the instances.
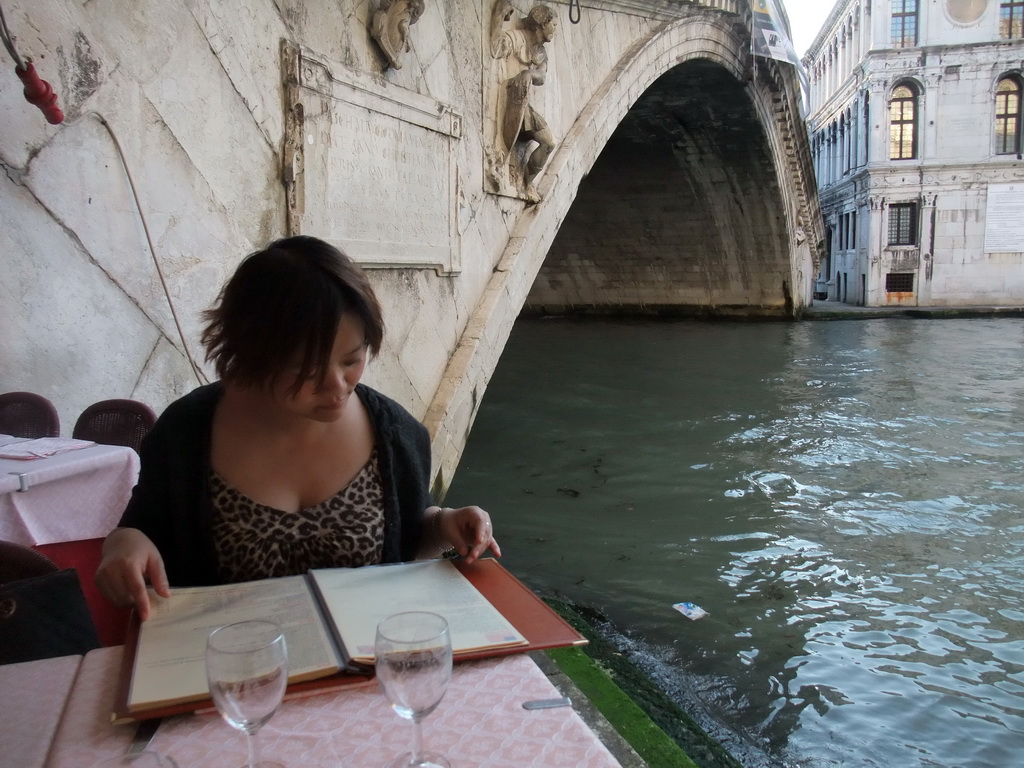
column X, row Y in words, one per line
column 844, row 499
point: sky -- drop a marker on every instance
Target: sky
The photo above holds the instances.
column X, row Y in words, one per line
column 806, row 18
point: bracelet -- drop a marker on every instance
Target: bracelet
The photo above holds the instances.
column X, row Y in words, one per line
column 445, row 551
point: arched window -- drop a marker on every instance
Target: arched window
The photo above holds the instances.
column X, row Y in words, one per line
column 1008, row 115
column 903, row 122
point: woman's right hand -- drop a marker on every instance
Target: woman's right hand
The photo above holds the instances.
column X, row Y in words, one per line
column 130, row 558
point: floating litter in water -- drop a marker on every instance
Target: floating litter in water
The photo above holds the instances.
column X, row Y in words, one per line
column 690, row 610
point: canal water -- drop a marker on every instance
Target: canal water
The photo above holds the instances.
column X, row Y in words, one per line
column 845, row 500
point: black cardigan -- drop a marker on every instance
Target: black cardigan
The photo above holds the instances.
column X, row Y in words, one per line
column 171, row 501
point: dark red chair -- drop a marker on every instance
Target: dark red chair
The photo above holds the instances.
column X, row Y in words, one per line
column 18, row 561
column 85, row 556
column 26, row 414
column 115, row 422
column 43, row 609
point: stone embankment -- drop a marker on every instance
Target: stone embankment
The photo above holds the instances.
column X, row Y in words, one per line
column 637, row 721
column 837, row 310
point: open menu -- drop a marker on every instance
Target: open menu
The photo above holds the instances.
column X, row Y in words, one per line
column 358, row 599
column 329, row 617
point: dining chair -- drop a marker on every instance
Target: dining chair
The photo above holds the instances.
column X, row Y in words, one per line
column 18, row 561
column 43, row 611
column 26, row 414
column 115, row 422
column 84, row 556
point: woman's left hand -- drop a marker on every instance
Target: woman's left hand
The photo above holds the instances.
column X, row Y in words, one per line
column 469, row 530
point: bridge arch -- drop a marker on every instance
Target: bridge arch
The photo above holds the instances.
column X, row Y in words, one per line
column 681, row 214
column 778, row 189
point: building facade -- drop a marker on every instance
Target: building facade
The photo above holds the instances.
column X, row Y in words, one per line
column 915, row 126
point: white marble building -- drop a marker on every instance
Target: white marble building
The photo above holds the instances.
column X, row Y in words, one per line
column 915, row 128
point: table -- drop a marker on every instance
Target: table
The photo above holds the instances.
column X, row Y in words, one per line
column 71, row 496
column 30, row 709
column 479, row 723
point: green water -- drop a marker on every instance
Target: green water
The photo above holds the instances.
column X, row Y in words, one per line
column 844, row 498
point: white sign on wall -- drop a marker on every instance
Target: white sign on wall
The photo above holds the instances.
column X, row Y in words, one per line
column 378, row 174
column 1004, row 218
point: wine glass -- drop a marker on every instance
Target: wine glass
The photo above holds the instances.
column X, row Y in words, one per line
column 247, row 670
column 413, row 653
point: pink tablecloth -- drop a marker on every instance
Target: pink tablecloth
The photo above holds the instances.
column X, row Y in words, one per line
column 31, row 703
column 75, row 495
column 479, row 723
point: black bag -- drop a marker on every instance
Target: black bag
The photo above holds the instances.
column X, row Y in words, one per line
column 43, row 617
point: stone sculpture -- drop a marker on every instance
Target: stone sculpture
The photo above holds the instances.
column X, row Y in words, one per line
column 520, row 49
column 390, row 27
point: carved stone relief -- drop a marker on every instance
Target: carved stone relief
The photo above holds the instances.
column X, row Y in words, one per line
column 520, row 140
column 390, row 27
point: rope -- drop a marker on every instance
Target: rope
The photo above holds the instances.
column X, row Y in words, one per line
column 152, row 251
column 5, row 33
column 574, row 15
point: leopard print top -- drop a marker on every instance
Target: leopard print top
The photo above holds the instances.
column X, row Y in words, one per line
column 254, row 541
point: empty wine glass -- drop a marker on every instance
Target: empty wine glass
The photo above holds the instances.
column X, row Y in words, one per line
column 414, row 665
column 247, row 670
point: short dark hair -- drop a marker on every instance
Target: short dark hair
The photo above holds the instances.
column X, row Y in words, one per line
column 284, row 301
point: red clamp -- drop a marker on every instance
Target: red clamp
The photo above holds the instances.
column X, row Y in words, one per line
column 38, row 92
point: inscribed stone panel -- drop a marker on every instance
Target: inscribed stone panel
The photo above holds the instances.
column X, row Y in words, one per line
column 1004, row 218
column 377, row 170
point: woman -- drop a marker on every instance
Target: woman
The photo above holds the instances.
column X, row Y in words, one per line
column 288, row 462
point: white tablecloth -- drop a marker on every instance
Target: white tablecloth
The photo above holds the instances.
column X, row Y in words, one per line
column 31, row 704
column 479, row 723
column 75, row 495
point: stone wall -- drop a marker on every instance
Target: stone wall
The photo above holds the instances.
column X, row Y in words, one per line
column 197, row 131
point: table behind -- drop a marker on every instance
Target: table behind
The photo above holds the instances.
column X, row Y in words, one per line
column 71, row 496
column 480, row 722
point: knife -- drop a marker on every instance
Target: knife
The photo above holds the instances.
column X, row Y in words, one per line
column 144, row 733
column 564, row 701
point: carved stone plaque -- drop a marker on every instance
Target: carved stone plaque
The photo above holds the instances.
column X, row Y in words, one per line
column 904, row 260
column 1004, row 218
column 371, row 167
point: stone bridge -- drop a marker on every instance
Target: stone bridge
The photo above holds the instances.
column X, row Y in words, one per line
column 678, row 180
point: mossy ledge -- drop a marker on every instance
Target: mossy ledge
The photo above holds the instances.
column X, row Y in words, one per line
column 663, row 734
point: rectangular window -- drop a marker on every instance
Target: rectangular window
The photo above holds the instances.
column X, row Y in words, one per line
column 903, row 224
column 1011, row 20
column 899, row 282
column 904, row 23
column 853, row 229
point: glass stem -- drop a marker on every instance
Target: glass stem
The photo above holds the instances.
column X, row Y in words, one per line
column 254, row 750
column 417, row 742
